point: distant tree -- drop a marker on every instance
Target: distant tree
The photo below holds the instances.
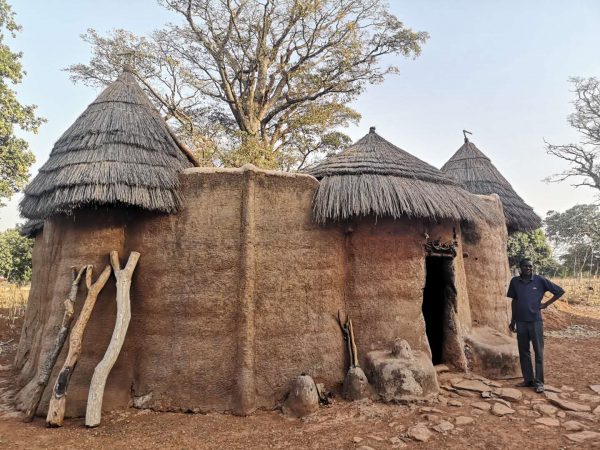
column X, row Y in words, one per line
column 266, row 82
column 15, row 256
column 576, row 234
column 15, row 156
column 532, row 245
column 583, row 157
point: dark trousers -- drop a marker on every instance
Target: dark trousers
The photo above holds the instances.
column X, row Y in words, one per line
column 531, row 333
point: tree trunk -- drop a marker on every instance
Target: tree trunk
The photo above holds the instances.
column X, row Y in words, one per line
column 46, row 370
column 94, row 405
column 56, row 410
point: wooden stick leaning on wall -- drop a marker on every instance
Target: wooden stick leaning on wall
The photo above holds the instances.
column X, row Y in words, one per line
column 56, row 410
column 93, row 412
column 46, row 369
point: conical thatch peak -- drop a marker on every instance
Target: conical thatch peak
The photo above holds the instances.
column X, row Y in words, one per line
column 471, row 167
column 118, row 152
column 374, row 177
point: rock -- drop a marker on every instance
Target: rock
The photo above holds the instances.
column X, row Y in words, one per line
column 463, row 420
column 545, row 409
column 484, row 406
column 550, row 388
column 548, row 421
column 529, row 413
column 504, row 402
column 498, row 409
column 470, row 394
column 589, row 398
column 491, row 353
column 583, row 415
column 429, row 409
column 561, row 414
column 487, row 394
column 443, row 426
column 364, row 447
column 572, row 425
column 471, row 385
column 356, row 385
column 375, row 437
column 419, row 433
column 597, row 410
column 401, row 349
column 432, row 418
column 566, row 404
column 510, row 394
column 142, row 401
column 455, row 403
column 401, row 374
column 583, row 436
column 595, row 388
column 357, row 439
column 302, row 399
column 397, row 442
column 567, row 388
column 441, row 368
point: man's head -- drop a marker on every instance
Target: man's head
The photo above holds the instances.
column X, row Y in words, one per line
column 526, row 267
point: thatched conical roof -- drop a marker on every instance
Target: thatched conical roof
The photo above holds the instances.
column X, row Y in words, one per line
column 471, row 167
column 374, row 177
column 118, row 152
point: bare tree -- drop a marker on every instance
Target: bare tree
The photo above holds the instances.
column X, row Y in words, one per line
column 276, row 76
column 583, row 157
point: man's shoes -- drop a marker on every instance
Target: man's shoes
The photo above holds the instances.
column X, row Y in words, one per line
column 525, row 384
column 539, row 388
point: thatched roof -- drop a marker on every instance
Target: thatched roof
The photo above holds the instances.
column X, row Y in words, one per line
column 476, row 172
column 374, row 177
column 32, row 228
column 118, row 152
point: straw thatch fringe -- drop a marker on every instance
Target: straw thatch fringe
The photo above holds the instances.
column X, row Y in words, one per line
column 31, row 228
column 374, row 177
column 478, row 175
column 118, row 152
column 339, row 198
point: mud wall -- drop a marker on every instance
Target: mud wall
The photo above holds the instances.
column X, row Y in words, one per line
column 487, row 271
column 232, row 297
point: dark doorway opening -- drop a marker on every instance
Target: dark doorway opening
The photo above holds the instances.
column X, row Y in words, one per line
column 439, row 296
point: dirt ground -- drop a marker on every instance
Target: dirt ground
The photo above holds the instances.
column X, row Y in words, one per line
column 572, row 355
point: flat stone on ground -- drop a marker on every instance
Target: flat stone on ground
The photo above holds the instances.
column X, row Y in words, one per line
column 545, row 409
column 573, row 425
column 566, row 404
column 583, row 436
column 463, row 420
column 595, row 388
column 443, row 426
column 441, row 368
column 455, row 403
column 510, row 394
column 419, row 433
column 597, row 410
column 548, row 421
column 498, row 409
column 484, row 406
column 471, row 385
column 550, row 388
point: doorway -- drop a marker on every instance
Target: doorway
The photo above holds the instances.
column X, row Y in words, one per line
column 439, row 306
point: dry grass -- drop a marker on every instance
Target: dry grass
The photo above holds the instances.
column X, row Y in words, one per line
column 580, row 291
column 13, row 300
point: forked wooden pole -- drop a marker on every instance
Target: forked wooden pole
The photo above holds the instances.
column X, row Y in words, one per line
column 56, row 410
column 46, row 369
column 94, row 405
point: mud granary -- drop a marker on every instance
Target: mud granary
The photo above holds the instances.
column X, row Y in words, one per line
column 243, row 271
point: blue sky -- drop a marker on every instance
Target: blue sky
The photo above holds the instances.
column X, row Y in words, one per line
column 498, row 69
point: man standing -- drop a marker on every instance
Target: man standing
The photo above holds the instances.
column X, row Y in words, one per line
column 527, row 292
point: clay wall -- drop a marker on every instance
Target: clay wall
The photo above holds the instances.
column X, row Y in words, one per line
column 487, row 271
column 235, row 295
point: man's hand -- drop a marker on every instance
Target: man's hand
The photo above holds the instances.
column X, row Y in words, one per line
column 513, row 326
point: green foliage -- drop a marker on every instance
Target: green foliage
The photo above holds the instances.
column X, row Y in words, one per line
column 15, row 256
column 15, row 156
column 576, row 234
column 267, row 83
column 532, row 245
